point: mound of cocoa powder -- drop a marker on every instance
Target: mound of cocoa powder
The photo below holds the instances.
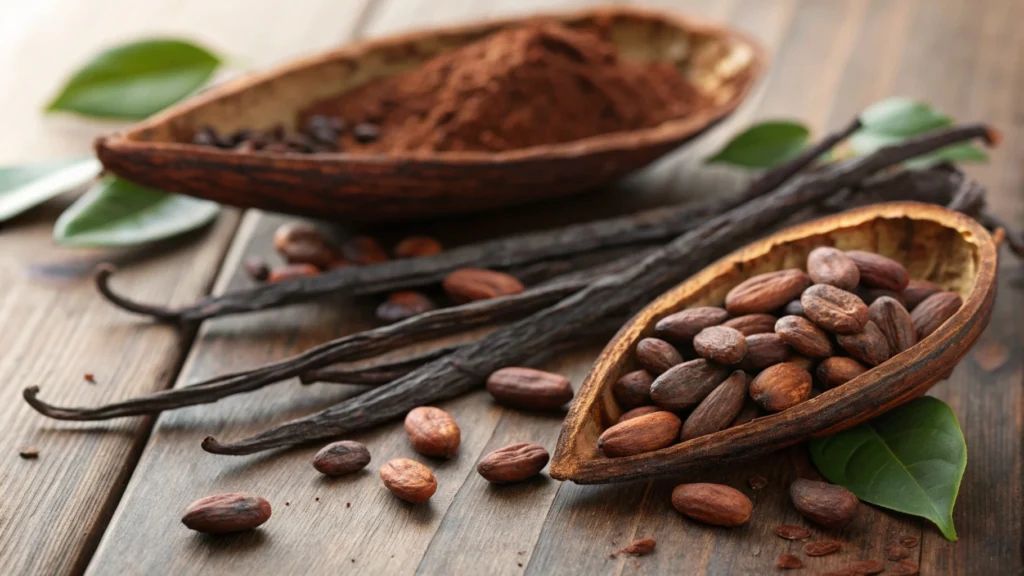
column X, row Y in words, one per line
column 541, row 83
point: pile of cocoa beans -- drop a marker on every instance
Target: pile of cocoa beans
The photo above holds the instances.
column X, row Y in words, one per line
column 779, row 339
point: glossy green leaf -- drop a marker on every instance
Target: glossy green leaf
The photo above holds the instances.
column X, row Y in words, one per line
column 903, row 117
column 955, row 153
column 136, row 80
column 116, row 212
column 764, row 145
column 910, row 459
column 22, row 187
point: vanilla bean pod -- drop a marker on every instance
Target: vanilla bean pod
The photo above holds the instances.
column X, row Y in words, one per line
column 469, row 366
column 643, row 227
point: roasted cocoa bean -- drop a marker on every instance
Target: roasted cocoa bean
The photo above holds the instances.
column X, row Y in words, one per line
column 633, row 389
column 868, row 346
column 917, row 290
column 291, row 272
column 687, row 384
column 409, row 480
column 471, row 284
column 895, row 323
column 720, row 344
column 713, row 504
column 834, row 309
column 417, row 247
column 766, row 292
column 877, row 271
column 826, row 265
column 302, row 243
column 681, row 327
column 432, row 432
column 656, row 355
column 804, row 336
column 340, row 458
column 764, row 350
column 780, row 387
column 750, row 324
column 839, row 370
column 719, row 409
column 639, row 411
column 824, row 504
column 934, row 311
column 363, row 250
column 529, row 388
column 641, row 434
column 514, row 463
column 223, row 513
column 404, row 304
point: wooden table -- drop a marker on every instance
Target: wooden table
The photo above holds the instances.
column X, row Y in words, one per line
column 105, row 498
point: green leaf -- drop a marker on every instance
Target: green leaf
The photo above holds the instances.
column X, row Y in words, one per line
column 116, row 212
column 764, row 145
column 910, row 459
column 136, row 80
column 902, row 117
column 955, row 153
column 22, row 187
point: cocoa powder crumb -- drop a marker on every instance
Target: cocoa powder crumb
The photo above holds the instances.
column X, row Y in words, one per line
column 317, row 498
column 757, row 482
column 348, row 504
column 89, row 377
column 287, row 503
column 28, row 452
column 536, row 84
column 791, row 532
column 789, row 562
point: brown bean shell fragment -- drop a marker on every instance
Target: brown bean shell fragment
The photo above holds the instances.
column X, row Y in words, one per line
column 472, row 284
column 638, row 435
column 868, row 346
column 825, row 504
column 789, row 562
column 529, row 388
column 895, row 323
column 409, row 480
column 433, row 432
column 839, row 370
column 686, row 385
column 897, row 552
column 766, row 292
column 514, row 463
column 750, row 324
column 822, row 547
column 719, row 409
column 404, row 304
column 804, row 336
column 791, row 532
column 834, row 309
column 720, row 344
column 637, row 412
column 877, row 271
column 826, row 265
column 866, row 567
column 223, row 513
column 657, row 355
column 417, row 247
column 764, row 350
column 909, row 541
column 934, row 311
column 682, row 326
column 639, row 547
column 713, row 504
column 916, row 292
column 340, row 458
column 633, row 389
column 904, row 567
column 780, row 387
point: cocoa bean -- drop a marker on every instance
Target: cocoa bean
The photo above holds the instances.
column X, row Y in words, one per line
column 656, row 355
column 749, row 412
column 791, row 532
column 641, row 434
column 794, row 308
column 302, row 243
column 340, row 458
column 687, row 384
column 826, row 265
column 804, row 336
column 750, row 324
column 720, row 344
column 633, row 389
column 514, row 463
column 681, row 327
column 877, row 271
column 895, row 323
column 766, row 292
column 824, row 504
column 780, row 387
column 789, row 562
column 409, row 480
column 822, row 547
column 719, row 409
column 713, row 504
column 640, row 411
column 916, row 291
column 472, row 284
column 868, row 346
column 802, row 361
column 223, row 513
column 417, row 247
column 870, row 295
column 363, row 250
column 834, row 309
column 292, row 271
column 529, row 388
column 432, row 432
column 839, row 370
column 934, row 311
column 764, row 350
column 404, row 304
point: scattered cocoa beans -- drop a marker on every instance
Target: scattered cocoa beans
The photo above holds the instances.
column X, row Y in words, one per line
column 529, row 389
column 409, row 480
column 471, row 284
column 824, row 504
column 713, row 504
column 514, row 463
column 223, row 513
column 340, row 458
column 432, row 432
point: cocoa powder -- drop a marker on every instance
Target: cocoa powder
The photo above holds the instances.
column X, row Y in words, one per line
column 541, row 83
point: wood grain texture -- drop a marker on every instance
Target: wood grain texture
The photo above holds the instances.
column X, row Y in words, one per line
column 965, row 57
